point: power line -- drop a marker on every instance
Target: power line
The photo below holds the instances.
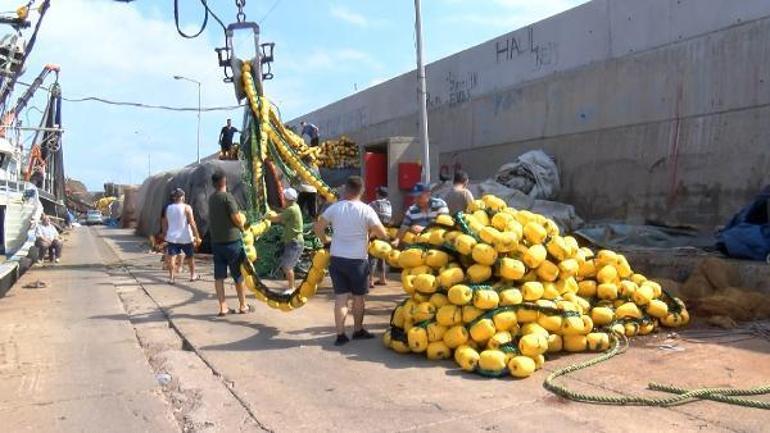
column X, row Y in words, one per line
column 139, row 104
column 150, row 106
column 269, row 11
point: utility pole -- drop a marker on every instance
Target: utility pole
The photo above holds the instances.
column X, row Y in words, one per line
column 179, row 77
column 423, row 94
column 149, row 172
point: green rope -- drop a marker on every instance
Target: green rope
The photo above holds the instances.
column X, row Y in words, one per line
column 619, row 344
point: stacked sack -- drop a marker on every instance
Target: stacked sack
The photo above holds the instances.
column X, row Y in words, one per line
column 500, row 289
column 341, row 153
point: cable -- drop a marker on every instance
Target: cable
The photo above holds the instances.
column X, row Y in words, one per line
column 6, row 91
column 269, row 11
column 208, row 10
column 179, row 29
column 150, row 106
column 139, row 104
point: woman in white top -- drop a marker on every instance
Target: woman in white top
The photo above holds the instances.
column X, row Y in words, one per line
column 180, row 232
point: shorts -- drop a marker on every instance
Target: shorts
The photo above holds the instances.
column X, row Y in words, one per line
column 228, row 256
column 292, row 251
column 349, row 276
column 173, row 249
column 376, row 264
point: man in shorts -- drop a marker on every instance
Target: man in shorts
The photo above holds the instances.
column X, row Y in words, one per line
column 384, row 211
column 180, row 231
column 225, row 227
column 293, row 241
column 351, row 221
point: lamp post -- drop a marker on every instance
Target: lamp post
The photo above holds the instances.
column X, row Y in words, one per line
column 423, row 93
column 179, row 77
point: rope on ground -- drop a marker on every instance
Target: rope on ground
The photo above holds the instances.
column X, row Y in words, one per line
column 683, row 395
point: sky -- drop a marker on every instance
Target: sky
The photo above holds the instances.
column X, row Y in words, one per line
column 325, row 50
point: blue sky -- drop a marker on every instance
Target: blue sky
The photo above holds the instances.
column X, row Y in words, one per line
column 325, row 50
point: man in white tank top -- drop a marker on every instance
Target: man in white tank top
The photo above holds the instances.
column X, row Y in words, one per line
column 352, row 221
column 180, row 232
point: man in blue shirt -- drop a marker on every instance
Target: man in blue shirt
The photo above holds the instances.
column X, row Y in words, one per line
column 311, row 131
column 422, row 213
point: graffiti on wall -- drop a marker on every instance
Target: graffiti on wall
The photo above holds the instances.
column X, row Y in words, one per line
column 515, row 46
column 506, row 100
column 460, row 87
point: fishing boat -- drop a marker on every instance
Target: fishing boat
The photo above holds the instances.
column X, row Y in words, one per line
column 31, row 177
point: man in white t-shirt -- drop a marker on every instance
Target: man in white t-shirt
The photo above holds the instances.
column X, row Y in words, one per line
column 351, row 221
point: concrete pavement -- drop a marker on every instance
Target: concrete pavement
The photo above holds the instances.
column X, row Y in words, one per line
column 65, row 364
column 284, row 370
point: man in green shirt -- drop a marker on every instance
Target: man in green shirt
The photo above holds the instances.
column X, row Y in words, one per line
column 293, row 242
column 225, row 227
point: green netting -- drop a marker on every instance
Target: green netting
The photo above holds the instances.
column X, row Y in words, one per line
column 270, row 247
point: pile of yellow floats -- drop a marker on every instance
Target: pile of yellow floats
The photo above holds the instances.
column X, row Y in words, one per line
column 500, row 289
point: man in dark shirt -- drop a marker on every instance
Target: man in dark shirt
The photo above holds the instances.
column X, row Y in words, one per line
column 225, row 226
column 226, row 137
column 311, row 131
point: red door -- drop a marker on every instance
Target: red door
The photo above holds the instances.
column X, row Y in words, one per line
column 375, row 172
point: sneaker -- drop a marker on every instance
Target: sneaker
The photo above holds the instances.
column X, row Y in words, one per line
column 362, row 334
column 341, row 340
column 56, row 260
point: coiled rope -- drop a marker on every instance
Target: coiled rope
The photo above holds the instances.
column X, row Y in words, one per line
column 619, row 344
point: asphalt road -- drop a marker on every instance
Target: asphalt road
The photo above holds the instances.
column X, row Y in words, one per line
column 285, row 370
column 69, row 357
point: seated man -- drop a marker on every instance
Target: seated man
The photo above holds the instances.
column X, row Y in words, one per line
column 47, row 240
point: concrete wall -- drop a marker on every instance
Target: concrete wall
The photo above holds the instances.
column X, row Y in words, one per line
column 654, row 109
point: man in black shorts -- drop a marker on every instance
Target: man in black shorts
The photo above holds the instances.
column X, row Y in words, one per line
column 352, row 221
column 225, row 227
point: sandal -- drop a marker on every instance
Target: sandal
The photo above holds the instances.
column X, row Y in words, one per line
column 195, row 277
column 248, row 310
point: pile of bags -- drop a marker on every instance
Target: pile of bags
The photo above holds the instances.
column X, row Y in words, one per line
column 499, row 289
column 341, row 153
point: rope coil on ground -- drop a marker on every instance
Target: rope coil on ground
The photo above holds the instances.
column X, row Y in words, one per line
column 620, row 345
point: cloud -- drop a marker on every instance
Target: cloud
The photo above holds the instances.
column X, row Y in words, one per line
column 341, row 59
column 346, row 15
column 113, row 50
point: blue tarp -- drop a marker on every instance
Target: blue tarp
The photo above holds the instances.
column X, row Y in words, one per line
column 747, row 235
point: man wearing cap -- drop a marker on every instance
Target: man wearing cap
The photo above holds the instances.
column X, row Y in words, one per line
column 293, row 241
column 422, row 213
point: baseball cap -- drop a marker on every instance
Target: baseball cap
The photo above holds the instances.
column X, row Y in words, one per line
column 382, row 190
column 290, row 194
column 420, row 188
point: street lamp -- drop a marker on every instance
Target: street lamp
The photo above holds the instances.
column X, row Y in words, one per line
column 179, row 77
column 423, row 93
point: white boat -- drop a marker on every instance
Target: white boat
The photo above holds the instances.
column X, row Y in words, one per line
column 20, row 211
